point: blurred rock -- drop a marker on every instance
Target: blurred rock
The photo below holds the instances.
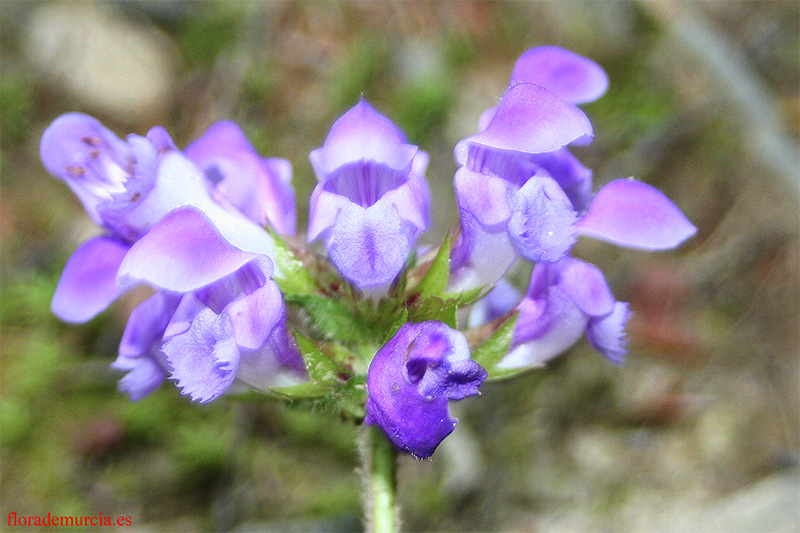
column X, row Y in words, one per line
column 112, row 66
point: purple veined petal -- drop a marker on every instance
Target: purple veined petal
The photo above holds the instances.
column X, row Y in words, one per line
column 438, row 364
column 585, row 284
column 633, row 214
column 259, row 188
column 140, row 350
column 183, row 252
column 530, row 119
column 247, row 279
column 542, row 218
column 204, row 359
column 484, row 196
column 147, row 323
column 364, row 182
column 571, row 77
column 607, row 334
column 89, row 282
column 362, row 133
column 545, row 329
column 143, row 375
column 93, row 161
column 410, row 197
column 370, row 246
column 410, row 380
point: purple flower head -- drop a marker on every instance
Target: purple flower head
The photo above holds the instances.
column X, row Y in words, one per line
column 225, row 317
column 259, row 188
column 520, row 192
column 524, row 137
column 372, row 201
column 564, row 300
column 126, row 187
column 412, row 378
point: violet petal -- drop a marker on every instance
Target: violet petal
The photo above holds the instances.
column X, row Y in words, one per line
column 183, row 252
column 607, row 334
column 530, row 119
column 541, row 223
column 633, row 214
column 88, row 283
column 203, row 359
column 569, row 76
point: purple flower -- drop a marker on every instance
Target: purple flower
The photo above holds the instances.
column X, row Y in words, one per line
column 564, row 300
column 521, row 192
column 412, row 378
column 259, row 188
column 371, row 202
column 525, row 137
column 126, row 187
column 218, row 315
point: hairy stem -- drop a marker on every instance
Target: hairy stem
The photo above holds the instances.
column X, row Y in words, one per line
column 379, row 471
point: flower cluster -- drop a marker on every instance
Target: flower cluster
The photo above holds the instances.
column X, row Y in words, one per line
column 374, row 329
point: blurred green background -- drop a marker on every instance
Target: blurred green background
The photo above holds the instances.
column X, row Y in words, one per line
column 699, row 431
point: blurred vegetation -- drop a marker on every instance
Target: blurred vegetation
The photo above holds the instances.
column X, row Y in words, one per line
column 705, row 407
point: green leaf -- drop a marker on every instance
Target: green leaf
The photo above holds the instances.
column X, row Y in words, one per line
column 332, row 319
column 294, row 277
column 320, row 366
column 493, row 349
column 438, row 275
column 352, row 396
column 465, row 298
column 302, row 391
column 434, row 308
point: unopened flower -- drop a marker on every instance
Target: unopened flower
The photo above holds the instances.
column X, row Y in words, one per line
column 412, row 378
column 372, row 201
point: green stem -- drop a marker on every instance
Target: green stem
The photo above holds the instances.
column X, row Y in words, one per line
column 379, row 467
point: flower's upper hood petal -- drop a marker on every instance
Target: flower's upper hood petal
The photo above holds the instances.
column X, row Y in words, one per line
column 362, row 134
column 530, row 119
column 183, row 252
